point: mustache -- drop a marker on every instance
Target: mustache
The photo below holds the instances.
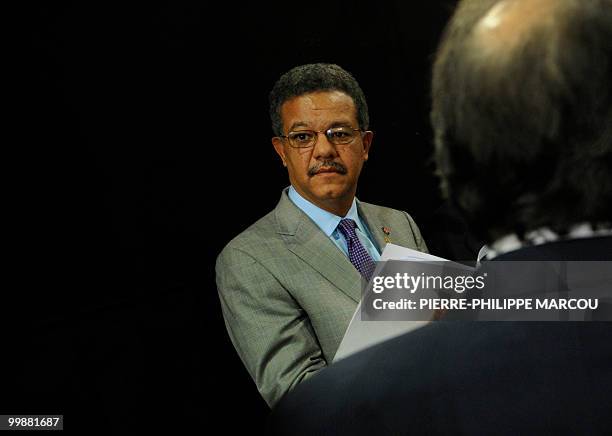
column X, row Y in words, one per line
column 327, row 164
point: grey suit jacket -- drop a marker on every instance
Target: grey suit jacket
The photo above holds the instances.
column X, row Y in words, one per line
column 288, row 292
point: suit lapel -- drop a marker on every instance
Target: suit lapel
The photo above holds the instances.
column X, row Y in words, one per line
column 374, row 223
column 397, row 225
column 304, row 238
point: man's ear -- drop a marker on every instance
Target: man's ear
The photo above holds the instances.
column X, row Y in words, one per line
column 280, row 148
column 368, row 135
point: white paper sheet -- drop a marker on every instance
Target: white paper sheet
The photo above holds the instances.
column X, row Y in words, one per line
column 363, row 334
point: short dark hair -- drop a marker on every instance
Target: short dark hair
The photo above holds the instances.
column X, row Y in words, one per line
column 524, row 137
column 309, row 78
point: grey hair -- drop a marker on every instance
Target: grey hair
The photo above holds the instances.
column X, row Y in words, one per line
column 305, row 79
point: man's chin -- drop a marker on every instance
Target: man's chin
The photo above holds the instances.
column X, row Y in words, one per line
column 331, row 193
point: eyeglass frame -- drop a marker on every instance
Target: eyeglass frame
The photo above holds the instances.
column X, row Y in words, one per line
column 324, row 131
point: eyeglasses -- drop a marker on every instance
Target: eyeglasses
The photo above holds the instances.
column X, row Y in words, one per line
column 308, row 138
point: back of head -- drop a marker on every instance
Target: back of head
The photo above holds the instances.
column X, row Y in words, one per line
column 305, row 79
column 522, row 113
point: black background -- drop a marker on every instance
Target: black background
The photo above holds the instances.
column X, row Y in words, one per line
column 144, row 147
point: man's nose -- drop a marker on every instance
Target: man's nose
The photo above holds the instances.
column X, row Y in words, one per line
column 323, row 148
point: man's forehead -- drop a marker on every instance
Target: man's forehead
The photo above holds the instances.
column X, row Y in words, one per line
column 305, row 109
column 322, row 100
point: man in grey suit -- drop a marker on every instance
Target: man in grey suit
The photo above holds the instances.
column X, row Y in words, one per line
column 290, row 283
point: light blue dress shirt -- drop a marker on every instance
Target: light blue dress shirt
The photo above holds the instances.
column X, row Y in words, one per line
column 328, row 223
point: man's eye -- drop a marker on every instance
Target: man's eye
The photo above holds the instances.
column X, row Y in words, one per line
column 340, row 134
column 301, row 137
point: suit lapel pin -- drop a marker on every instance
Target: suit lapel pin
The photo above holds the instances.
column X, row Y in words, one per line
column 387, row 231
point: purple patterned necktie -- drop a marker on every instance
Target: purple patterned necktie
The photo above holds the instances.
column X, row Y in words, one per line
column 357, row 253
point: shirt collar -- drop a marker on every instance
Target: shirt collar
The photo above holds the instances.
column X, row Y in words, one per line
column 543, row 235
column 326, row 221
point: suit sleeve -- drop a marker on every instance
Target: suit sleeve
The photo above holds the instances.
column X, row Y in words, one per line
column 416, row 233
column 270, row 331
